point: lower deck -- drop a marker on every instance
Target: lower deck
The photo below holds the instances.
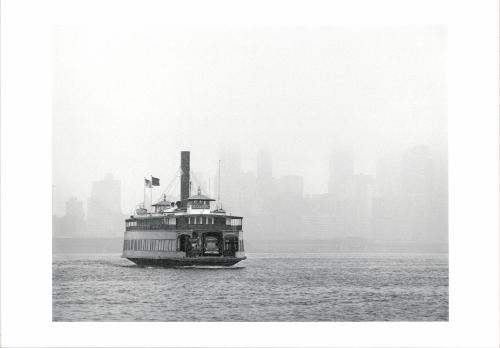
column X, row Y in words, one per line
column 190, row 246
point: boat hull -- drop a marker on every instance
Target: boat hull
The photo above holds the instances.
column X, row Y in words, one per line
column 187, row 261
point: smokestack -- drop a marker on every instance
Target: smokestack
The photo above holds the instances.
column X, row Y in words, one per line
column 185, row 180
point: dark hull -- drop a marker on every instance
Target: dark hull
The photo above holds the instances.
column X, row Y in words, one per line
column 188, row 261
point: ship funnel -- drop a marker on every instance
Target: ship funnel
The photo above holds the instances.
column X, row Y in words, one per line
column 185, row 180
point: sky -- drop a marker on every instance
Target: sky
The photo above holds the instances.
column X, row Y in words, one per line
column 127, row 102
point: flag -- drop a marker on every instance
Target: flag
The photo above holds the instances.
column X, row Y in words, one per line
column 147, row 183
column 155, row 181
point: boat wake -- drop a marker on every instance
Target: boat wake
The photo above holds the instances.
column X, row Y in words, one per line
column 210, row 267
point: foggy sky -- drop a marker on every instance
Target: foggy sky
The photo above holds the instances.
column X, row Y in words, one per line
column 128, row 102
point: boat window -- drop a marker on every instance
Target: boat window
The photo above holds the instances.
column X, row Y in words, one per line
column 234, row 222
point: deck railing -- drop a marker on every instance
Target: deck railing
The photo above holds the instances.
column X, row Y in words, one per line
column 187, row 227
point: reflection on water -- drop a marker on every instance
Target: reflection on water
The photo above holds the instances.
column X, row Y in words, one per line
column 265, row 287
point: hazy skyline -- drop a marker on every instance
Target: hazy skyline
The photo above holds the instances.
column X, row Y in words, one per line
column 127, row 103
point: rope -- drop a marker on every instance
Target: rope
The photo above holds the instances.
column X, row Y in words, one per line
column 197, row 181
column 169, row 186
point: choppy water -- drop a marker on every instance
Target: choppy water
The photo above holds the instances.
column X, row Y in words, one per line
column 265, row 287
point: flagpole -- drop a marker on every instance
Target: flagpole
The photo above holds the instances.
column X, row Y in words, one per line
column 144, row 196
column 151, row 198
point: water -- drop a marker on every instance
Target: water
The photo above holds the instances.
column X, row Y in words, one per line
column 265, row 287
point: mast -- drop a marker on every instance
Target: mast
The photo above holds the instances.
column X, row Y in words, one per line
column 218, row 186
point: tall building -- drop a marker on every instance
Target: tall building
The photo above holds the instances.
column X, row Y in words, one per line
column 416, row 189
column 107, row 193
column 265, row 198
column 341, row 175
column 387, row 176
column 287, row 207
column 265, row 190
column 387, row 222
column 364, row 190
column 290, row 186
column 317, row 218
column 412, row 205
column 264, row 164
column 74, row 208
column 72, row 224
column 105, row 218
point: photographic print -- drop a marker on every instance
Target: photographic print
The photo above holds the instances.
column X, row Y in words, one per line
column 252, row 174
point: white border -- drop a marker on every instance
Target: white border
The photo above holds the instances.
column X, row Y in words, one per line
column 26, row 171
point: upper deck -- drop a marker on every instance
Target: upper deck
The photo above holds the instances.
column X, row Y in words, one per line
column 197, row 215
column 184, row 221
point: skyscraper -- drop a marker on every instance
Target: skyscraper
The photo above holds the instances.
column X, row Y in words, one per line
column 264, row 164
column 105, row 218
column 341, row 175
column 72, row 224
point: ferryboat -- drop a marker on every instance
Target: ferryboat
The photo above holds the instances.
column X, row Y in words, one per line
column 191, row 231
